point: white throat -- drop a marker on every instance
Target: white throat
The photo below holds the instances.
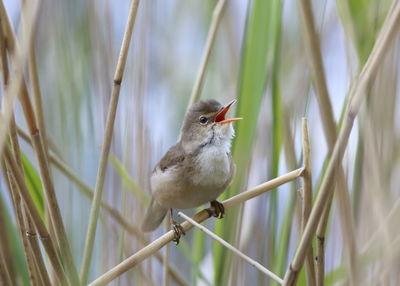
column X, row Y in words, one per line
column 220, row 138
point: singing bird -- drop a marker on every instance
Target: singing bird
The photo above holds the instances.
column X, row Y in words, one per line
column 197, row 169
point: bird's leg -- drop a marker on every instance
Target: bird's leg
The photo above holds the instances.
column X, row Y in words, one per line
column 176, row 227
column 217, row 209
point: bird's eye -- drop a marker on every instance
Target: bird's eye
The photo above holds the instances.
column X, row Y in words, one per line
column 203, row 120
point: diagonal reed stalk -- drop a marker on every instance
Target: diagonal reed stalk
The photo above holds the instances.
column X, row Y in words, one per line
column 165, row 260
column 7, row 271
column 307, row 199
column 249, row 260
column 52, row 205
column 201, row 216
column 15, row 146
column 47, row 241
column 33, row 255
column 101, row 173
column 329, row 126
column 358, row 92
column 198, row 84
column 38, row 273
column 37, row 98
column 17, row 58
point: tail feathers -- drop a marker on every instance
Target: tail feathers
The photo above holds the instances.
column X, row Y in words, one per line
column 154, row 216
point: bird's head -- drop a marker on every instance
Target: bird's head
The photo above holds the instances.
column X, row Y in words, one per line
column 205, row 123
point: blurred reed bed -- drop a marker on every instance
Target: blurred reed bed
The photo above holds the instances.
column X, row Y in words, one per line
column 282, row 60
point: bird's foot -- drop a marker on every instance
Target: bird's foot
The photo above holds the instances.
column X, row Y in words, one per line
column 217, row 209
column 178, row 231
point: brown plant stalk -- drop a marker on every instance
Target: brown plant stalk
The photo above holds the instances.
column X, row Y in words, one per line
column 101, row 173
column 329, row 127
column 307, row 200
column 47, row 241
column 7, row 270
column 36, row 267
column 357, row 95
column 34, row 132
column 32, row 252
column 14, row 196
column 17, row 58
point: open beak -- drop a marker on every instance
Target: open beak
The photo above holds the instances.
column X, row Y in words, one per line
column 220, row 118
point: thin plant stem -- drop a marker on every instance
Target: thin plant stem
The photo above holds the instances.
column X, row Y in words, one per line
column 48, row 244
column 166, row 258
column 5, row 276
column 251, row 261
column 216, row 19
column 31, row 248
column 358, row 92
column 329, row 126
column 307, row 199
column 320, row 242
column 15, row 146
column 201, row 216
column 52, row 205
column 17, row 58
column 51, row 145
column 51, row 200
column 33, row 254
column 8, row 274
column 37, row 98
column 35, row 84
column 101, row 173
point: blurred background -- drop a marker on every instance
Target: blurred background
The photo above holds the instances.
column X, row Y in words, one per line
column 260, row 57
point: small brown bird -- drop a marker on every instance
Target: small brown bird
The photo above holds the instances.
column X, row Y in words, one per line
column 197, row 169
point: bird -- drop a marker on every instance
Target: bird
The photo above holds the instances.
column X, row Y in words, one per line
column 197, row 169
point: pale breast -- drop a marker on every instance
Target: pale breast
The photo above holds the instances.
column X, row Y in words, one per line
column 213, row 167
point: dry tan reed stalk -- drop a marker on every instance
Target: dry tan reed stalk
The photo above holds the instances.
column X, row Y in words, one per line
column 307, row 200
column 47, row 241
column 51, row 199
column 8, row 274
column 52, row 204
column 16, row 202
column 201, row 216
column 329, row 126
column 357, row 94
column 166, row 258
column 37, row 98
column 249, row 260
column 32, row 251
column 101, row 173
column 35, row 87
column 17, row 58
column 28, row 232
column 33, row 75
column 320, row 242
column 216, row 19
column 24, row 225
column 5, row 277
column 14, row 141
column 50, row 143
